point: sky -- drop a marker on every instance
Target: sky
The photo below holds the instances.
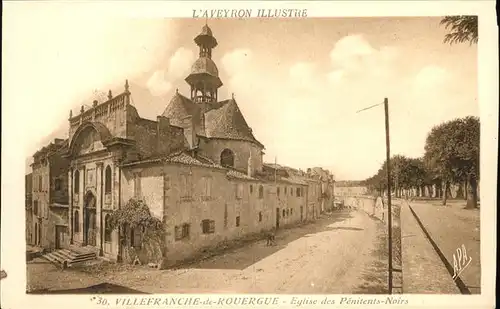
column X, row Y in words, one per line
column 298, row 82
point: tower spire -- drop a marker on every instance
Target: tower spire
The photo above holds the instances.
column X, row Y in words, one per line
column 204, row 78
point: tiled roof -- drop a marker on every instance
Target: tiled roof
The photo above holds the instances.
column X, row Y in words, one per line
column 239, row 175
column 205, row 65
column 295, row 180
column 205, row 30
column 179, row 157
column 184, row 158
column 180, row 107
column 227, row 121
column 223, row 120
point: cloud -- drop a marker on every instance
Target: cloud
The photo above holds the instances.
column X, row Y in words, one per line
column 157, row 84
column 350, row 52
column 354, row 57
column 304, row 75
column 335, row 77
column 236, row 61
column 179, row 64
column 431, row 76
column 77, row 57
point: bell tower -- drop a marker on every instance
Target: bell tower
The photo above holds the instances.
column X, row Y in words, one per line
column 204, row 77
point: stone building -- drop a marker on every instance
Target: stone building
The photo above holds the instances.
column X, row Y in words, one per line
column 327, row 187
column 28, row 187
column 198, row 167
column 46, row 221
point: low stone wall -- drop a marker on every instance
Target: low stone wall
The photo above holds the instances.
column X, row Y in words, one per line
column 372, row 205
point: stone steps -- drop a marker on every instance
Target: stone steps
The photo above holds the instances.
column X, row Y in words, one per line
column 71, row 256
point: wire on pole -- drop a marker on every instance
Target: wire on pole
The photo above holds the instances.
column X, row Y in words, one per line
column 369, row 107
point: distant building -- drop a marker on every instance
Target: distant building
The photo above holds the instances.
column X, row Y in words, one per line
column 349, row 189
column 48, row 218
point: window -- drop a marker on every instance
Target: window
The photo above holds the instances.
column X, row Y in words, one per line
column 136, row 237
column 287, row 212
column 57, row 184
column 291, row 211
column 107, row 180
column 260, row 216
column 237, row 221
column 107, row 228
column 137, row 185
column 285, row 190
column 227, row 158
column 251, row 189
column 40, row 187
column 207, row 187
column 284, row 213
column 76, row 222
column 261, row 191
column 76, row 186
column 35, row 208
column 239, row 191
column 186, row 186
column 278, row 191
column 208, row 226
column 182, row 231
column 291, row 191
column 298, row 192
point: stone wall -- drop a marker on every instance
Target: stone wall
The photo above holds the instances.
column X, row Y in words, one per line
column 242, row 151
column 234, row 205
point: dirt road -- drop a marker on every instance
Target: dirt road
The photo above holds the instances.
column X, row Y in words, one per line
column 341, row 253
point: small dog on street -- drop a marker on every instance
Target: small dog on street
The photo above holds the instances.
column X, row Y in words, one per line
column 271, row 238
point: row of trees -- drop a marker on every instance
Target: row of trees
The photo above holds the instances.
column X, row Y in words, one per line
column 451, row 156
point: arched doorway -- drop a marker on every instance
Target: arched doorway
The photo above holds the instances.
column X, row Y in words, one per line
column 89, row 215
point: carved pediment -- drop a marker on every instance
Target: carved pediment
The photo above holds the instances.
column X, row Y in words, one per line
column 88, row 141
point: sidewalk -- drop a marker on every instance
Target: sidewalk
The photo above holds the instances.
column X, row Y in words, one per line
column 452, row 227
column 423, row 270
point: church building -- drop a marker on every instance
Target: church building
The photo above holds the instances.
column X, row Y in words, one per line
column 198, row 167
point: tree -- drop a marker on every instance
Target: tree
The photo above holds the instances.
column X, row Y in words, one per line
column 136, row 215
column 406, row 173
column 452, row 152
column 462, row 29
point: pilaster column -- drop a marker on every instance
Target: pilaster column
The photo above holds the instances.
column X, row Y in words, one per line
column 81, row 200
column 115, row 202
column 70, row 210
column 100, row 198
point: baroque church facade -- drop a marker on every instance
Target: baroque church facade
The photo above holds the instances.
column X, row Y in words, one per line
column 198, row 167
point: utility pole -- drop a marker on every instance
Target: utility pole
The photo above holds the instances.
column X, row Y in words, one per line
column 389, row 204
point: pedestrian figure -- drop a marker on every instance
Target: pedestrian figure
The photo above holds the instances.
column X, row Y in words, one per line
column 271, row 237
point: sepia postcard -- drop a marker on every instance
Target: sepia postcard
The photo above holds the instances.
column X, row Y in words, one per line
column 249, row 154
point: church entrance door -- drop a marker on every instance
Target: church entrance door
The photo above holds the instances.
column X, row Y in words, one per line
column 89, row 214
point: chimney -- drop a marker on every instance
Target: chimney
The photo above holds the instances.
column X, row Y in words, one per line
column 163, row 123
column 189, row 131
